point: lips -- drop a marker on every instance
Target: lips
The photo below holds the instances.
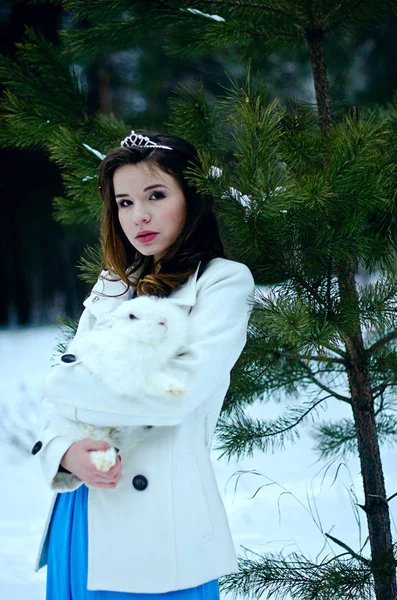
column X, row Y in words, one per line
column 146, row 236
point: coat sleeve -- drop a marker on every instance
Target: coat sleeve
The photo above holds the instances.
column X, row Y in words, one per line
column 217, row 335
column 57, row 433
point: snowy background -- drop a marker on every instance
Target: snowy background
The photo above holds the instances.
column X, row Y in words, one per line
column 297, row 499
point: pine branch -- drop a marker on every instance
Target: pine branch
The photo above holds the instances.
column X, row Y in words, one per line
column 96, row 10
column 43, row 92
column 325, row 388
column 111, row 35
column 349, row 159
column 276, row 382
column 90, row 264
column 382, row 342
column 68, row 327
column 301, row 418
column 346, row 15
column 378, row 304
column 335, row 349
column 381, row 403
column 379, row 390
column 240, row 435
column 194, row 118
column 335, row 439
column 365, row 561
column 305, row 285
column 326, row 359
column 339, row 439
column 389, row 296
column 295, row 576
column 254, row 34
column 295, row 326
column 240, row 4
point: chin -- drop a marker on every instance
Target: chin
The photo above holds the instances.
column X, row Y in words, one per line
column 145, row 251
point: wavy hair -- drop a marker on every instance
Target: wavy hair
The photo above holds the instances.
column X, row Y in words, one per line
column 199, row 239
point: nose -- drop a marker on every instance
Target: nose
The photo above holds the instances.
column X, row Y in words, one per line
column 144, row 219
column 141, row 217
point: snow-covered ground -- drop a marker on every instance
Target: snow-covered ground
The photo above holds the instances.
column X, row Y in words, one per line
column 295, row 501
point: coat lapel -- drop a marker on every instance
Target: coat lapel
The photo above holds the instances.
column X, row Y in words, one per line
column 107, row 294
column 186, row 294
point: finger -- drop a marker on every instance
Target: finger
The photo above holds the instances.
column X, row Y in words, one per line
column 111, row 479
column 95, row 473
column 115, row 469
column 108, row 481
column 100, row 475
column 102, row 485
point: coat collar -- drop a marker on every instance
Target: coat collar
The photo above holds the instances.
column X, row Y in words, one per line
column 107, row 294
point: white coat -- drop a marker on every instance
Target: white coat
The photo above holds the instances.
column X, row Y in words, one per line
column 173, row 534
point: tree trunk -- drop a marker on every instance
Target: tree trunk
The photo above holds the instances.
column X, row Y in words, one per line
column 315, row 40
column 376, row 507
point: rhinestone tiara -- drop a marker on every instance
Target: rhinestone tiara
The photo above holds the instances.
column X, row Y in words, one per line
column 142, row 141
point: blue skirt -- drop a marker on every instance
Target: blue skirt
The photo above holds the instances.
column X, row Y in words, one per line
column 67, row 558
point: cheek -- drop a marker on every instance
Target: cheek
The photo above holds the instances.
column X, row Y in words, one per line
column 174, row 218
column 125, row 224
column 122, row 221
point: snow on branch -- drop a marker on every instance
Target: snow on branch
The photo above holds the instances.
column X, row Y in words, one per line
column 195, row 11
column 244, row 199
column 96, row 152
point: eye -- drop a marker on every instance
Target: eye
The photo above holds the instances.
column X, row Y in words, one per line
column 124, row 203
column 159, row 195
column 132, row 317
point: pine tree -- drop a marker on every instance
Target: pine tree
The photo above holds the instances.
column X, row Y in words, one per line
column 306, row 200
column 305, row 212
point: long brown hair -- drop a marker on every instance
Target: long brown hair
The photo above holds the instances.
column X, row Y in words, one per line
column 199, row 239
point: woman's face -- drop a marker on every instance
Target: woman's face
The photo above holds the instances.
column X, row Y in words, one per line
column 151, row 207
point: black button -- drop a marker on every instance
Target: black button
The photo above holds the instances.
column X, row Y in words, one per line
column 37, row 447
column 147, row 426
column 140, row 482
column 68, row 358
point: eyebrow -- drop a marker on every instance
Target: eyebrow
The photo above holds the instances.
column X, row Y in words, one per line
column 146, row 189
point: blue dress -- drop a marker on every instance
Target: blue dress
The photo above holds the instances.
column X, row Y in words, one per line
column 67, row 558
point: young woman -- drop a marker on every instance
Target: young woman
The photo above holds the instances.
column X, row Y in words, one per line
column 154, row 524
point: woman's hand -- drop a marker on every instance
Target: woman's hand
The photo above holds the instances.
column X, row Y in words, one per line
column 77, row 460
